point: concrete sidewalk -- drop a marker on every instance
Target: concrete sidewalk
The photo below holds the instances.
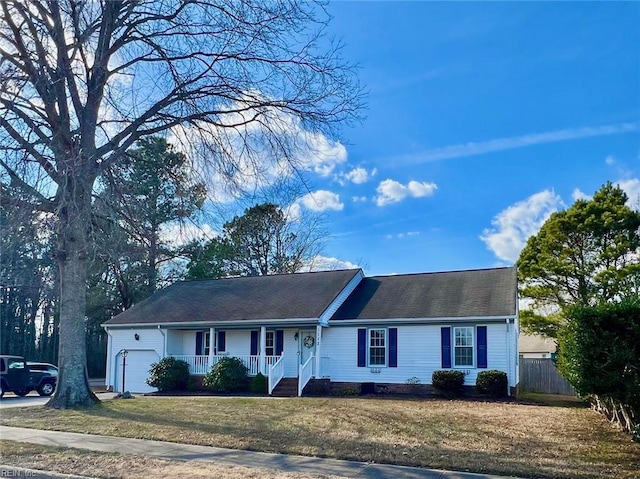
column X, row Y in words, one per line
column 283, row 462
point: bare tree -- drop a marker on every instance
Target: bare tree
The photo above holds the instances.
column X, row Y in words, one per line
column 82, row 81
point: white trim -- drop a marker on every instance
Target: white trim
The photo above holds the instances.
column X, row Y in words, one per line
column 473, row 347
column 386, row 348
column 239, row 324
column 318, row 349
column 340, row 298
column 263, row 350
column 108, row 378
column 443, row 320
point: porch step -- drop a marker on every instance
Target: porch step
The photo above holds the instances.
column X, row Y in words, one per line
column 287, row 387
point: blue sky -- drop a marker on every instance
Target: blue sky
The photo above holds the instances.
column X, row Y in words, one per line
column 482, row 118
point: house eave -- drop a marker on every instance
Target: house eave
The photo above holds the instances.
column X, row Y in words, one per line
column 238, row 324
column 439, row 320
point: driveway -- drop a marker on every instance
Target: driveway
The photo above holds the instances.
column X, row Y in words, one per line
column 32, row 399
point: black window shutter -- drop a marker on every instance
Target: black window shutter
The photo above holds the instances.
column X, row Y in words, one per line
column 222, row 341
column 254, row 343
column 279, row 341
column 445, row 342
column 393, row 347
column 199, row 343
column 362, row 348
column 482, row 346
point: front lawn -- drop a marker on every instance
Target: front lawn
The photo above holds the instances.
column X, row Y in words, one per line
column 502, row 438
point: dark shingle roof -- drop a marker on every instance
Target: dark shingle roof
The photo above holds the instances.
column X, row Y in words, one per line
column 455, row 294
column 300, row 295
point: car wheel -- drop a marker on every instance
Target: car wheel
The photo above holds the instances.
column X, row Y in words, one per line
column 46, row 389
column 22, row 392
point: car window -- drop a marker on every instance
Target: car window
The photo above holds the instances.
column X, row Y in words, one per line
column 1, row 364
column 16, row 364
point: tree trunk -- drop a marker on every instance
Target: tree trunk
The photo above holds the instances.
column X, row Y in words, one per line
column 73, row 234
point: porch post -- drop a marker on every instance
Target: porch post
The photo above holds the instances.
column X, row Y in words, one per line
column 318, row 350
column 212, row 344
column 263, row 350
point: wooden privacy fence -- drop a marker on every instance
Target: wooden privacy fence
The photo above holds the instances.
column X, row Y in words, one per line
column 541, row 376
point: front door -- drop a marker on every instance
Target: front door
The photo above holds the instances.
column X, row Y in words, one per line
column 307, row 343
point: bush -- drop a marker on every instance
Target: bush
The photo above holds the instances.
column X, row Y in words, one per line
column 259, row 384
column 448, row 384
column 492, row 383
column 599, row 353
column 169, row 374
column 227, row 375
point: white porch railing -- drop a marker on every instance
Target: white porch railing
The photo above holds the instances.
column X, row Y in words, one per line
column 201, row 364
column 197, row 364
column 276, row 373
column 306, row 373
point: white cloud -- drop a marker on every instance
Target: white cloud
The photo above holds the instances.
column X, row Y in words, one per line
column 514, row 225
column 360, row 175
column 391, row 191
column 610, row 160
column 264, row 152
column 500, row 144
column 402, row 235
column 359, row 199
column 177, row 234
column 328, row 263
column 632, row 188
column 578, row 194
column 322, row 200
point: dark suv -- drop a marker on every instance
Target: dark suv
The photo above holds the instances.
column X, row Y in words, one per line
column 17, row 377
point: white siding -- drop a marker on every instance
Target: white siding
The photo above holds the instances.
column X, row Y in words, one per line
column 238, row 343
column 419, row 354
column 150, row 341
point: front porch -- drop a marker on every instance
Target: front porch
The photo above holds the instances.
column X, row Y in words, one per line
column 275, row 353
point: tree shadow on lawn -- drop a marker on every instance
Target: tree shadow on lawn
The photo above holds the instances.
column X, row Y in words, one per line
column 276, row 433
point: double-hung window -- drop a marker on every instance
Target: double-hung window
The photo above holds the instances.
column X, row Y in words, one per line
column 463, row 346
column 206, row 343
column 377, row 347
column 270, row 340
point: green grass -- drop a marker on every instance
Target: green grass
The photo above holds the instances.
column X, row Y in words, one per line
column 527, row 440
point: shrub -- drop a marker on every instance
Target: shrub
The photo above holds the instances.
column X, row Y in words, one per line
column 448, row 383
column 259, row 384
column 492, row 383
column 169, row 374
column 227, row 375
column 599, row 353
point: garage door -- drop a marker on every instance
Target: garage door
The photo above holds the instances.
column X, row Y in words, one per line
column 136, row 371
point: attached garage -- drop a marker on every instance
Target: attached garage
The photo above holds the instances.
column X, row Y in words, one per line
column 136, row 371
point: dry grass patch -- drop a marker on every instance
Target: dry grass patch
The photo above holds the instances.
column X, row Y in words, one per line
column 501, row 438
column 105, row 465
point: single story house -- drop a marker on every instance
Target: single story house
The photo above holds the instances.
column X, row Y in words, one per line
column 337, row 326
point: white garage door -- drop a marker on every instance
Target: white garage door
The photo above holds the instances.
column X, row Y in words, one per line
column 136, row 371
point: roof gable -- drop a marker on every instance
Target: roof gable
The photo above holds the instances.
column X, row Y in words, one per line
column 286, row 296
column 453, row 294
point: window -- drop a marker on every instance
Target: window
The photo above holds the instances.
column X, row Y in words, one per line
column 377, row 347
column 206, row 343
column 16, row 364
column 270, row 351
column 463, row 346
